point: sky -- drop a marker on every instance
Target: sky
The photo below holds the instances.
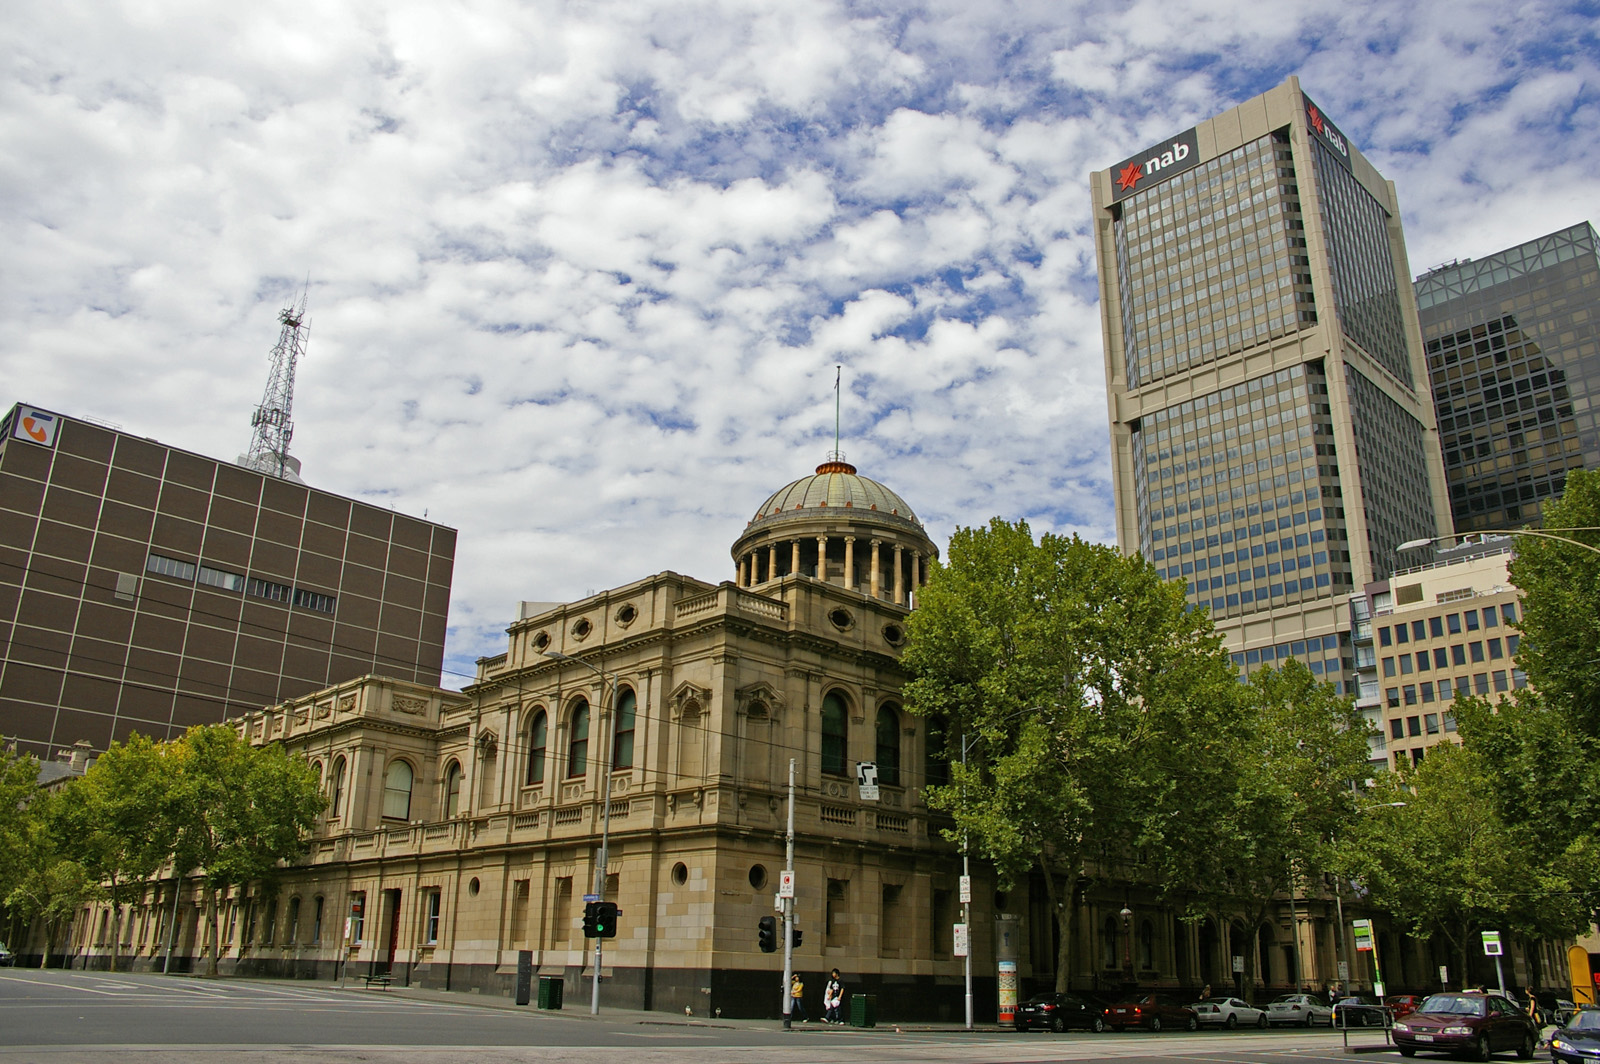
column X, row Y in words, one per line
column 580, row 273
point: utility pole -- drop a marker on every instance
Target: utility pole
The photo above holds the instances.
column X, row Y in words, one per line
column 788, row 911
column 966, row 883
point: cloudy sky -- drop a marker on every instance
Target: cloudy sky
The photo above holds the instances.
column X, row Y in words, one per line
column 580, row 272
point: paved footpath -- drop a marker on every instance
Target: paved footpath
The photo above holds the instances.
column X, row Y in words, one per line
column 58, row 1017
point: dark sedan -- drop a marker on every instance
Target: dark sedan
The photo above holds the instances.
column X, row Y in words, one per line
column 1059, row 1012
column 1153, row 1012
column 1479, row 1025
column 1579, row 1041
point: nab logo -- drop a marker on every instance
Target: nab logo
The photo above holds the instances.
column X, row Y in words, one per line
column 1327, row 131
column 1157, row 164
column 36, row 426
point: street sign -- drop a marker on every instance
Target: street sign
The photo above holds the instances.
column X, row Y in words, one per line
column 1491, row 943
column 591, row 897
column 867, row 780
column 1363, row 930
column 786, row 883
column 1344, row 971
column 966, row 890
column 961, row 940
column 1444, row 975
column 1238, row 964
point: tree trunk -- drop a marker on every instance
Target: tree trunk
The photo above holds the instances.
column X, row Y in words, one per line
column 211, row 929
column 1065, row 914
column 49, row 934
column 116, row 924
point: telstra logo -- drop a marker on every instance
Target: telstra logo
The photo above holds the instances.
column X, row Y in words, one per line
column 36, row 426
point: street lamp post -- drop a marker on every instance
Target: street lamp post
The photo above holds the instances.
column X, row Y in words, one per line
column 605, row 816
column 1413, row 544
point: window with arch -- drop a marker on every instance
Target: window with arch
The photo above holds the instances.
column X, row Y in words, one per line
column 1108, row 942
column 1147, row 946
column 578, row 741
column 834, row 734
column 538, row 743
column 887, row 745
column 452, row 789
column 317, row 766
column 336, row 787
column 397, row 791
column 622, row 747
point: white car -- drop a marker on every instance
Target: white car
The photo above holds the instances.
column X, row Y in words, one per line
column 1229, row 1012
column 1302, row 1010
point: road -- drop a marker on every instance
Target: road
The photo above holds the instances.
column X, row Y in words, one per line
column 57, row 1017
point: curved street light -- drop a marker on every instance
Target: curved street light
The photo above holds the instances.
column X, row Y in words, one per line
column 1413, row 544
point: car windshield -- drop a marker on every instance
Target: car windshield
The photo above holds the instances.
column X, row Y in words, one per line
column 1585, row 1021
column 1041, row 999
column 1288, row 999
column 1454, row 1005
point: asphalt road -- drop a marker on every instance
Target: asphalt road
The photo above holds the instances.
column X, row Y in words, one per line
column 57, row 1017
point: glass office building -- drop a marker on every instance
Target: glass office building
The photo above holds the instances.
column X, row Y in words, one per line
column 1263, row 362
column 1513, row 347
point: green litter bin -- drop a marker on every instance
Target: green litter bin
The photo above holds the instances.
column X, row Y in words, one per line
column 863, row 1010
column 551, row 987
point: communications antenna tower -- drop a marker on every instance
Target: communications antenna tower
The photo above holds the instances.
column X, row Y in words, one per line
column 273, row 419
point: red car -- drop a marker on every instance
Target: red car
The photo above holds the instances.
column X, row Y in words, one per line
column 1153, row 1011
column 1402, row 1004
column 1479, row 1025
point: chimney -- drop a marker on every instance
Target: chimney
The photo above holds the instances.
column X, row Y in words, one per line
column 80, row 755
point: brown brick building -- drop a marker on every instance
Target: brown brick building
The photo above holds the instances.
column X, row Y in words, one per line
column 145, row 588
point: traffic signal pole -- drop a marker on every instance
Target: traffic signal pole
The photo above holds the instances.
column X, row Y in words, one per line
column 788, row 913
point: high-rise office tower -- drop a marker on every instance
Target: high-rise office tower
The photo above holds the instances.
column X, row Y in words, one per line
column 1513, row 347
column 1272, row 436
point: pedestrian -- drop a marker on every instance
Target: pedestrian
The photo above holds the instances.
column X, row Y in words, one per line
column 833, row 999
column 1205, row 995
column 1533, row 1008
column 797, row 1007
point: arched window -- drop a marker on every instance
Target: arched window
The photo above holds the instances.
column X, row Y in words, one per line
column 1108, row 942
column 578, row 741
column 538, row 740
column 336, row 787
column 833, row 735
column 397, row 791
column 1147, row 946
column 452, row 789
column 887, row 746
column 622, row 749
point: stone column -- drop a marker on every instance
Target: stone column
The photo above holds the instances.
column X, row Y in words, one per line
column 772, row 562
column 875, row 577
column 743, row 578
column 794, row 564
column 899, row 579
column 849, row 563
column 822, row 557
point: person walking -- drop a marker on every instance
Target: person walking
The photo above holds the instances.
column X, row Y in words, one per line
column 797, row 1007
column 833, row 999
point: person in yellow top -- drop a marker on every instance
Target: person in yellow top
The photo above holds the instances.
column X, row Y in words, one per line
column 797, row 1007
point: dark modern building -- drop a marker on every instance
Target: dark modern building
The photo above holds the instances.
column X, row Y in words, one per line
column 1513, row 345
column 145, row 588
column 1272, row 436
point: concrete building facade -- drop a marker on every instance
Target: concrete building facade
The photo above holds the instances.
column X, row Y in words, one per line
column 1513, row 348
column 146, row 588
column 1273, row 441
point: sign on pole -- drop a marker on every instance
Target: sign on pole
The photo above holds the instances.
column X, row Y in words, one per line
column 1238, row 964
column 966, row 890
column 867, row 780
column 1491, row 943
column 1344, row 971
column 960, row 949
column 1363, row 931
column 1444, row 975
column 786, row 883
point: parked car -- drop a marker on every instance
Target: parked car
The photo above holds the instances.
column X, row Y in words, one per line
column 1153, row 1011
column 7, row 958
column 1302, row 1010
column 1578, row 1042
column 1228, row 1012
column 1358, row 1010
column 1473, row 1023
column 1059, row 1012
column 1402, row 1004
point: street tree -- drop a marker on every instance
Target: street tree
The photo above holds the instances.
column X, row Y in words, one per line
column 242, row 811
column 1095, row 705
column 51, row 890
column 116, row 821
column 19, row 782
column 1305, row 748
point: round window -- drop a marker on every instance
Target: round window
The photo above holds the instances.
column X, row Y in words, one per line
column 893, row 634
column 680, row 873
column 581, row 628
column 541, row 640
column 840, row 618
column 758, row 876
column 627, row 615
column 472, row 885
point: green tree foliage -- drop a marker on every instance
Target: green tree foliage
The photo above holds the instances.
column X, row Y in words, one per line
column 1561, row 610
column 1303, row 748
column 1097, row 709
column 116, row 821
column 242, row 809
column 1435, row 853
column 51, row 890
column 19, row 776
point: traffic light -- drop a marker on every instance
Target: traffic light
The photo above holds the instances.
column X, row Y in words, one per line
column 795, row 935
column 600, row 919
column 767, row 936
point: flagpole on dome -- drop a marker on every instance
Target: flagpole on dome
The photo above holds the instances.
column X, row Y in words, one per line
column 836, row 462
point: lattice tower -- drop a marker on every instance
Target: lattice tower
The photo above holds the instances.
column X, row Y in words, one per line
column 273, row 421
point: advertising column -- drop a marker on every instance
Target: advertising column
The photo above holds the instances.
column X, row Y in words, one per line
column 1006, row 935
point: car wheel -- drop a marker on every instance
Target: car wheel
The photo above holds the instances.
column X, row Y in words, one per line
column 1525, row 1050
column 1233, row 1021
column 1310, row 1019
column 1098, row 1025
column 1483, row 1052
column 1058, row 1024
column 1406, row 1051
column 1022, row 1026
column 1261, row 1021
column 1155, row 1023
column 1194, row 1023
